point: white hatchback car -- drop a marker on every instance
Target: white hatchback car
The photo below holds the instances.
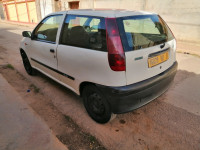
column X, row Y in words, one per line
column 117, row 60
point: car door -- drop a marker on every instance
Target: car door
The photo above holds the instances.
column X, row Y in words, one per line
column 82, row 53
column 43, row 45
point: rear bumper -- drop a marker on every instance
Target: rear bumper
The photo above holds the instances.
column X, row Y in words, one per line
column 127, row 98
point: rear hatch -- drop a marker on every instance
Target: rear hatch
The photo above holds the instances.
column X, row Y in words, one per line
column 148, row 44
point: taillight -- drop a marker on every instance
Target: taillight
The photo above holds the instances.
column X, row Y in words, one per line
column 116, row 57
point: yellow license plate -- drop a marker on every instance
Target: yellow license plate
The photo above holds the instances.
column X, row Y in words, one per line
column 153, row 61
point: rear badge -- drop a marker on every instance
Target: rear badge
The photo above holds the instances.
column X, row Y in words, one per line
column 138, row 58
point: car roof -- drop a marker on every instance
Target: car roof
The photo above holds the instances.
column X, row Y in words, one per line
column 105, row 12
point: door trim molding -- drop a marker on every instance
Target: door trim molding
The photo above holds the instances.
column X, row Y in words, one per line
column 55, row 70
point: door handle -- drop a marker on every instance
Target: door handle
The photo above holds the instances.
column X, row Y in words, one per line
column 52, row 50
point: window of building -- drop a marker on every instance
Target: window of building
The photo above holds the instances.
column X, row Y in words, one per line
column 74, row 5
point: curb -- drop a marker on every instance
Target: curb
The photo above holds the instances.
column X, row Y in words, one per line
column 21, row 128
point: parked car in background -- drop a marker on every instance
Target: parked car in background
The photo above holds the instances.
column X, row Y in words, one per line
column 116, row 60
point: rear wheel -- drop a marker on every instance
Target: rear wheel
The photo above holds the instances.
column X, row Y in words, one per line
column 27, row 65
column 96, row 105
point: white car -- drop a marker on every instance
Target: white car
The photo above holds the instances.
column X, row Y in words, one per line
column 117, row 60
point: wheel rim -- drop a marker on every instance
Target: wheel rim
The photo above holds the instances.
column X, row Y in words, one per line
column 96, row 104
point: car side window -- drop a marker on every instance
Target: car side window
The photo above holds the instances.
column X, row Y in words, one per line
column 47, row 29
column 85, row 32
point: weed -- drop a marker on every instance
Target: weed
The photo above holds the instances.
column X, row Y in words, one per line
column 9, row 66
column 35, row 88
column 68, row 118
column 92, row 139
column 196, row 55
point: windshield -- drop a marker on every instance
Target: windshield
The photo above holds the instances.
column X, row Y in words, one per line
column 143, row 31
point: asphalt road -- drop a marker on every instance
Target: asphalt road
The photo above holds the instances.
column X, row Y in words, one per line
column 172, row 121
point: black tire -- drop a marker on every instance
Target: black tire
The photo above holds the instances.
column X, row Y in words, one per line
column 96, row 105
column 31, row 71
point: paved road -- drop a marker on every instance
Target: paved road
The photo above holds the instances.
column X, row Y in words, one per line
column 169, row 122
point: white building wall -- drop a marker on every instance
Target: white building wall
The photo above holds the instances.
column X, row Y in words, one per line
column 183, row 16
column 120, row 4
column 46, row 7
column 1, row 11
column 86, row 4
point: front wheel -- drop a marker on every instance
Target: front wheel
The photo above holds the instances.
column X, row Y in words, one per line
column 96, row 105
column 27, row 65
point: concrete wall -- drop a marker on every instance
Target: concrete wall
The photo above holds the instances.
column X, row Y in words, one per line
column 38, row 10
column 1, row 11
column 183, row 16
column 46, row 7
column 120, row 4
column 84, row 4
column 57, row 5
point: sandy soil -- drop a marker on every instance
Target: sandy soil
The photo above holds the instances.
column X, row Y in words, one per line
column 65, row 129
column 150, row 127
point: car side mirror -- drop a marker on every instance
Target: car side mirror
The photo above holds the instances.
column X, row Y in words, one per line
column 41, row 36
column 26, row 34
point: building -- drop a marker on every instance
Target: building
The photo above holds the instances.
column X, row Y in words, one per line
column 182, row 16
column 1, row 11
column 20, row 10
column 26, row 11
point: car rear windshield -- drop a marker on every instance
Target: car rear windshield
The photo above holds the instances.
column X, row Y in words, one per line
column 143, row 31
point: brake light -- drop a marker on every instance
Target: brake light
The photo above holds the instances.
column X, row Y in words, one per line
column 116, row 57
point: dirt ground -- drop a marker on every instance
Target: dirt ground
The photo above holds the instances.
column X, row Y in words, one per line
column 146, row 124
column 65, row 129
column 169, row 122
